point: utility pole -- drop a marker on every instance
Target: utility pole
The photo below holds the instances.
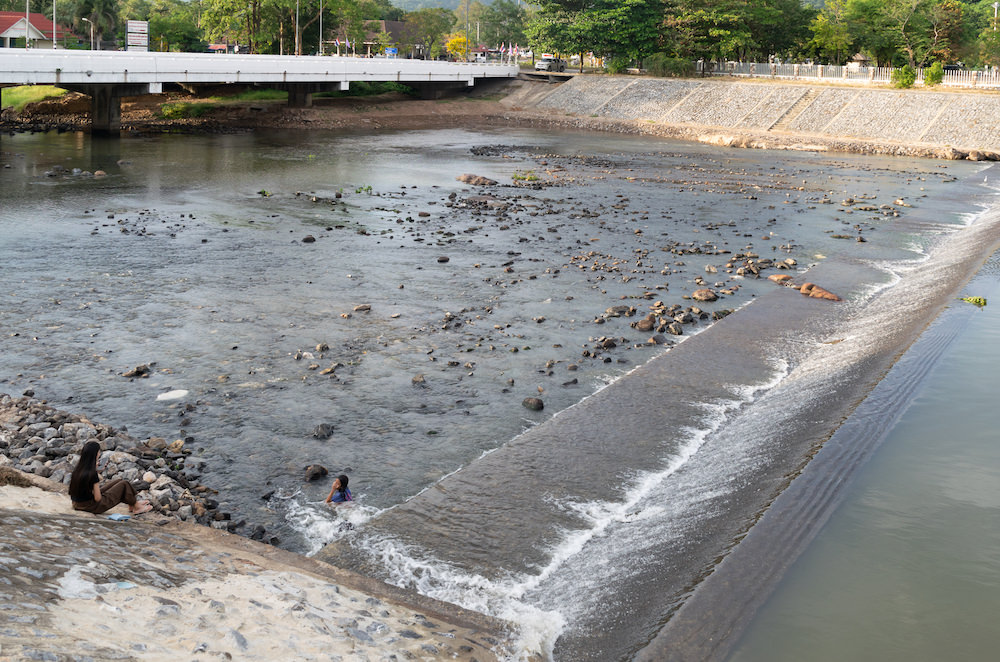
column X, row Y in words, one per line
column 91, row 31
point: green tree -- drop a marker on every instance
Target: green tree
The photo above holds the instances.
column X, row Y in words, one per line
column 831, row 32
column 503, row 22
column 425, row 30
column 102, row 13
column 616, row 29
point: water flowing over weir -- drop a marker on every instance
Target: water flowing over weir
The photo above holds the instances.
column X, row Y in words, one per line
column 681, row 457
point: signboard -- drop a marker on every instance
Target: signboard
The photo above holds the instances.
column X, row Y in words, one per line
column 141, row 49
column 139, row 27
column 138, row 39
column 392, row 51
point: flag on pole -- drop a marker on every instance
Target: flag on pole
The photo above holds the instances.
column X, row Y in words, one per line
column 347, row 42
column 336, row 40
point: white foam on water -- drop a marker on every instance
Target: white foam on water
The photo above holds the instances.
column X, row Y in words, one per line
column 176, row 394
column 538, row 629
column 320, row 523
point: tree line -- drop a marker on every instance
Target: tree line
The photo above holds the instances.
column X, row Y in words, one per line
column 888, row 32
column 289, row 26
column 621, row 32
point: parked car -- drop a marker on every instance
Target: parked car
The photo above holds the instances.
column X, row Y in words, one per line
column 550, row 63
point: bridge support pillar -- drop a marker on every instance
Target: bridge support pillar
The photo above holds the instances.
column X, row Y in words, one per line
column 300, row 96
column 105, row 111
column 106, row 103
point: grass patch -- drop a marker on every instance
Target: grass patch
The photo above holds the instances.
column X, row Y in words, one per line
column 183, row 109
column 524, row 176
column 366, row 89
column 255, row 95
column 22, row 95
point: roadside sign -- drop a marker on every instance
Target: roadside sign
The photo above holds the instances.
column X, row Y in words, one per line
column 141, row 49
column 138, row 39
column 392, row 51
column 140, row 27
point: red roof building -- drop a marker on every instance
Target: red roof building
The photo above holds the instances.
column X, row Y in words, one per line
column 39, row 30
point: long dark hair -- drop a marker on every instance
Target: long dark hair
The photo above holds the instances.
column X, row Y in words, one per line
column 81, row 483
column 343, row 484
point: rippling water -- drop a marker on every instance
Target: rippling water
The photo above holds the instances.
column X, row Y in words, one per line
column 192, row 255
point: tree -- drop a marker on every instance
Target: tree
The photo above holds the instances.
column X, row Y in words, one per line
column 457, row 45
column 503, row 22
column 831, row 32
column 102, row 13
column 425, row 29
column 617, row 29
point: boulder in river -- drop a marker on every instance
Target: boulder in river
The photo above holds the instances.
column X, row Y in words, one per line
column 817, row 292
column 704, row 294
column 323, row 431
column 315, row 472
column 476, row 180
column 534, row 404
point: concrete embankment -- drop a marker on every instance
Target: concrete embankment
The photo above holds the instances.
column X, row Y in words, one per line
column 764, row 114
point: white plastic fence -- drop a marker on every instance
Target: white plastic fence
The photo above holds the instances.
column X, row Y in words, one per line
column 846, row 74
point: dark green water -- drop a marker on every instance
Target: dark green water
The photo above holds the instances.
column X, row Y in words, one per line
column 908, row 568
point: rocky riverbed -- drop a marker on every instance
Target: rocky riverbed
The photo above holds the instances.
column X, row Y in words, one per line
column 42, row 440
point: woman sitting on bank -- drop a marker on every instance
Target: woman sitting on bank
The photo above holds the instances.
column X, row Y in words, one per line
column 89, row 495
column 339, row 492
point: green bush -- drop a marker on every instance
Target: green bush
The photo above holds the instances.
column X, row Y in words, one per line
column 933, row 75
column 183, row 109
column 664, row 66
column 904, row 77
column 616, row 64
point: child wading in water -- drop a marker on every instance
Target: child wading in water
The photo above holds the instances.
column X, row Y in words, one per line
column 89, row 495
column 339, row 492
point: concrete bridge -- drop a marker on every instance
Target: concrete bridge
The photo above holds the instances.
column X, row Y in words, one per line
column 107, row 76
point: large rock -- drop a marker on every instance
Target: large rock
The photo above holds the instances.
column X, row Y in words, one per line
column 534, row 404
column 315, row 472
column 817, row 292
column 704, row 294
column 475, row 180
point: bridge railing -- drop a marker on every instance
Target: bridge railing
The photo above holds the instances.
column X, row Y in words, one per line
column 27, row 67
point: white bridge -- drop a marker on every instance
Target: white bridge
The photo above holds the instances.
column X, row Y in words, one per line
column 109, row 75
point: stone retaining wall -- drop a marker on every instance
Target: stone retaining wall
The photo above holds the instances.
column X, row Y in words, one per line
column 963, row 121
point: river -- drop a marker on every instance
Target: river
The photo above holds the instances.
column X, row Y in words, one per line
column 289, row 280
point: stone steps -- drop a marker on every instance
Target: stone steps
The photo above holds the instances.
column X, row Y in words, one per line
column 786, row 120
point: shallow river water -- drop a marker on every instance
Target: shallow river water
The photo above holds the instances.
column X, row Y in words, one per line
column 289, row 280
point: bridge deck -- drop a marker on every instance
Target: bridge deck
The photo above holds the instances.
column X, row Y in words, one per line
column 34, row 67
column 109, row 75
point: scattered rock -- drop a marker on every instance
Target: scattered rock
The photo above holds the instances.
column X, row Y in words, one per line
column 476, row 180
column 315, row 472
column 817, row 292
column 322, row 431
column 704, row 294
column 138, row 371
column 534, row 404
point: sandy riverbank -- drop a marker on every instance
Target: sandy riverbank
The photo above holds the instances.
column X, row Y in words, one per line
column 155, row 589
